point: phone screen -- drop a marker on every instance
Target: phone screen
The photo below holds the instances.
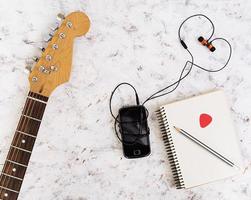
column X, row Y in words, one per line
column 134, row 128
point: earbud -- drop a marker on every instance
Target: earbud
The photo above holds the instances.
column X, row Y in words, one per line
column 205, row 42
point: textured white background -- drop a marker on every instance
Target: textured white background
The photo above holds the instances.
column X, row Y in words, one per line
column 77, row 156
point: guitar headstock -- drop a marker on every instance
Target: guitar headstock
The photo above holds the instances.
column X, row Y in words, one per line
column 53, row 68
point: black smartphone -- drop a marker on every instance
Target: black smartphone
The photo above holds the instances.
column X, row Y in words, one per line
column 134, row 131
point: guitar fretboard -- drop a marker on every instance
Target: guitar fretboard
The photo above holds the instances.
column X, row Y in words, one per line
column 21, row 147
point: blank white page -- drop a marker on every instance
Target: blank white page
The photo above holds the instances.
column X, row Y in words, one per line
column 198, row 166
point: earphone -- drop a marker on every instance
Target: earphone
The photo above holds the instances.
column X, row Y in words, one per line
column 190, row 63
column 182, row 76
column 206, row 43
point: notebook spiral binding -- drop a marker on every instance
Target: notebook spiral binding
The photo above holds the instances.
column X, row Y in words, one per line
column 169, row 146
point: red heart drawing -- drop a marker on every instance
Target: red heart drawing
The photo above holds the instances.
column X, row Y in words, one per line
column 205, row 120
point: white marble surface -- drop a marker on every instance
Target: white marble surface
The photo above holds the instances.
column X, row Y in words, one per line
column 77, row 156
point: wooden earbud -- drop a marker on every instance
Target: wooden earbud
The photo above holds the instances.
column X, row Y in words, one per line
column 207, row 44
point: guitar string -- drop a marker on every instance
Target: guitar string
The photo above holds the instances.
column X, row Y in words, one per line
column 6, row 168
column 23, row 127
column 23, row 123
column 16, row 152
column 63, row 30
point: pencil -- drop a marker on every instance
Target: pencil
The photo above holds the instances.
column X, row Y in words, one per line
column 203, row 145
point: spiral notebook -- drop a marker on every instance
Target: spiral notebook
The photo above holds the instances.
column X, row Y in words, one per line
column 206, row 117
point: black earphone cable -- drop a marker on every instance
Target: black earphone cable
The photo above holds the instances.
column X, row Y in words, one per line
column 192, row 64
column 192, row 16
column 117, row 121
column 226, row 63
column 176, row 83
column 111, row 97
column 182, row 76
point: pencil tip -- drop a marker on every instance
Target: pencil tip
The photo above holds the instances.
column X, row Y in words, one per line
column 177, row 129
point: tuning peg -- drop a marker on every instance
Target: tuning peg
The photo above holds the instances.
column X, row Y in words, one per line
column 60, row 17
column 42, row 48
column 28, row 68
column 30, row 63
column 51, row 34
column 47, row 38
column 55, row 26
column 35, row 59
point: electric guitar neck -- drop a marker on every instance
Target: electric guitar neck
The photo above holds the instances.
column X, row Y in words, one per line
column 51, row 70
column 21, row 147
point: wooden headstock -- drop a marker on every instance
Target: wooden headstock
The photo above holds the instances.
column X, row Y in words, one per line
column 54, row 66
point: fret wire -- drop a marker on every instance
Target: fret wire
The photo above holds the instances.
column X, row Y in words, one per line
column 23, row 141
column 17, row 163
column 9, row 189
column 3, row 178
column 25, row 106
column 27, row 102
column 31, row 107
column 28, row 113
column 34, row 109
column 22, row 120
column 11, row 183
column 39, row 108
column 28, row 126
column 12, row 176
column 19, row 156
column 38, row 112
column 34, row 127
column 38, row 100
column 18, row 171
column 21, row 149
column 27, row 134
column 31, row 118
column 38, row 96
